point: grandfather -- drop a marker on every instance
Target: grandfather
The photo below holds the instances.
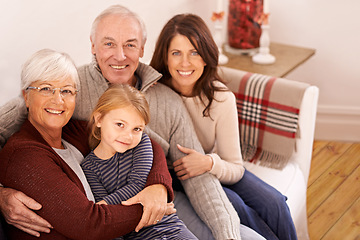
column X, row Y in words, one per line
column 117, row 39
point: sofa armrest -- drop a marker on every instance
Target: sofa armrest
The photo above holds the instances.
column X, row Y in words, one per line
column 307, row 117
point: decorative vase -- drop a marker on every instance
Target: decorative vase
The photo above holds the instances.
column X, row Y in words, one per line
column 244, row 29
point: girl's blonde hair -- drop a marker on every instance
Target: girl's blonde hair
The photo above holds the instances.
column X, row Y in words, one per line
column 117, row 96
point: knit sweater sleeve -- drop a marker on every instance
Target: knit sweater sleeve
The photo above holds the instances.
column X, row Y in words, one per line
column 159, row 173
column 12, row 116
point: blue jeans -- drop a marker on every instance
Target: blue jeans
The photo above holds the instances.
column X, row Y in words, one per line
column 261, row 207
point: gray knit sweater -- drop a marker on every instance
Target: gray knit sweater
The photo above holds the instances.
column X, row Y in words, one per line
column 170, row 124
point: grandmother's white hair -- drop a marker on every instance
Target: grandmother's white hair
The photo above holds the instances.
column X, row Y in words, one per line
column 122, row 12
column 48, row 65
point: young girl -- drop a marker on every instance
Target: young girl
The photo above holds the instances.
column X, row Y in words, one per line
column 187, row 56
column 118, row 166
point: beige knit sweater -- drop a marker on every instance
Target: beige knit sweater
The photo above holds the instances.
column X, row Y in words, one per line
column 219, row 134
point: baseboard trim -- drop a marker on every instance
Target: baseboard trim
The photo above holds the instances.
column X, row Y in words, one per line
column 338, row 123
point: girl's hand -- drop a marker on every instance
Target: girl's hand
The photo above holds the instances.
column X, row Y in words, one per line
column 102, row 202
column 192, row 165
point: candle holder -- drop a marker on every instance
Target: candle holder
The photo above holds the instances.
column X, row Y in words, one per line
column 264, row 56
column 218, row 37
column 217, row 18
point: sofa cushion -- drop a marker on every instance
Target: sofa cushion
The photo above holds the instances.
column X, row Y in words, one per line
column 289, row 181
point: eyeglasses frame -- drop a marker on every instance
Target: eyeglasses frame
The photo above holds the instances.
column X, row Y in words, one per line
column 53, row 91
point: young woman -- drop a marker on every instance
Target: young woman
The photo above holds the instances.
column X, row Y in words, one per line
column 122, row 156
column 187, row 56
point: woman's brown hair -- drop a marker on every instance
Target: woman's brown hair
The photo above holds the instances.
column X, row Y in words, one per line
column 195, row 29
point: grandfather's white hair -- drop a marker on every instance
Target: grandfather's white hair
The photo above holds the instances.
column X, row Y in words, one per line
column 122, row 12
column 48, row 65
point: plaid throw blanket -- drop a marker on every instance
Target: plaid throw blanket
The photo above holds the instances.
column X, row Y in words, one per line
column 268, row 111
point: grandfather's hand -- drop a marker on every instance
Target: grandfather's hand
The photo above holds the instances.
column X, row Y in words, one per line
column 154, row 201
column 17, row 208
column 192, row 165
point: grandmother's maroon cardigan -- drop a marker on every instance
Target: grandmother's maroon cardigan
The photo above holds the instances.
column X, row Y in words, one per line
column 30, row 165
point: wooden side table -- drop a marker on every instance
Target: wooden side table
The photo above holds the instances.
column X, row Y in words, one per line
column 287, row 59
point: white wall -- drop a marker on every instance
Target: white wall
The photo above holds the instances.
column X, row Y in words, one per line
column 332, row 28
column 329, row 26
column 64, row 25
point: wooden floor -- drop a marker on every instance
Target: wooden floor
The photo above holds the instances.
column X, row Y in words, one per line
column 333, row 197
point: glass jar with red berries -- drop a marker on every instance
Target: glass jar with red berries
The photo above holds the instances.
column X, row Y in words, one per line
column 244, row 27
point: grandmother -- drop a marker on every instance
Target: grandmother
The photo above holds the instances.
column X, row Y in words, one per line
column 42, row 159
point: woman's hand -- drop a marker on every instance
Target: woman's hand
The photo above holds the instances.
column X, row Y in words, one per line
column 154, row 201
column 17, row 208
column 193, row 164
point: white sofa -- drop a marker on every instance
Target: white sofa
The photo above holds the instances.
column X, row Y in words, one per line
column 291, row 180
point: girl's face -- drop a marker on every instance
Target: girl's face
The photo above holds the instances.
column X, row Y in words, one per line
column 121, row 130
column 185, row 64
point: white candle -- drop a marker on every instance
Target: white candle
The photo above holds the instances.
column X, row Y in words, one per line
column 266, row 6
column 219, row 6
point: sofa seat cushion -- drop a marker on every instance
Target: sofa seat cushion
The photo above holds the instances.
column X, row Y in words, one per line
column 289, row 181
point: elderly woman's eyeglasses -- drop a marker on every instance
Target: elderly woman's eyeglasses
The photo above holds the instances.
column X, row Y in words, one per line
column 49, row 91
